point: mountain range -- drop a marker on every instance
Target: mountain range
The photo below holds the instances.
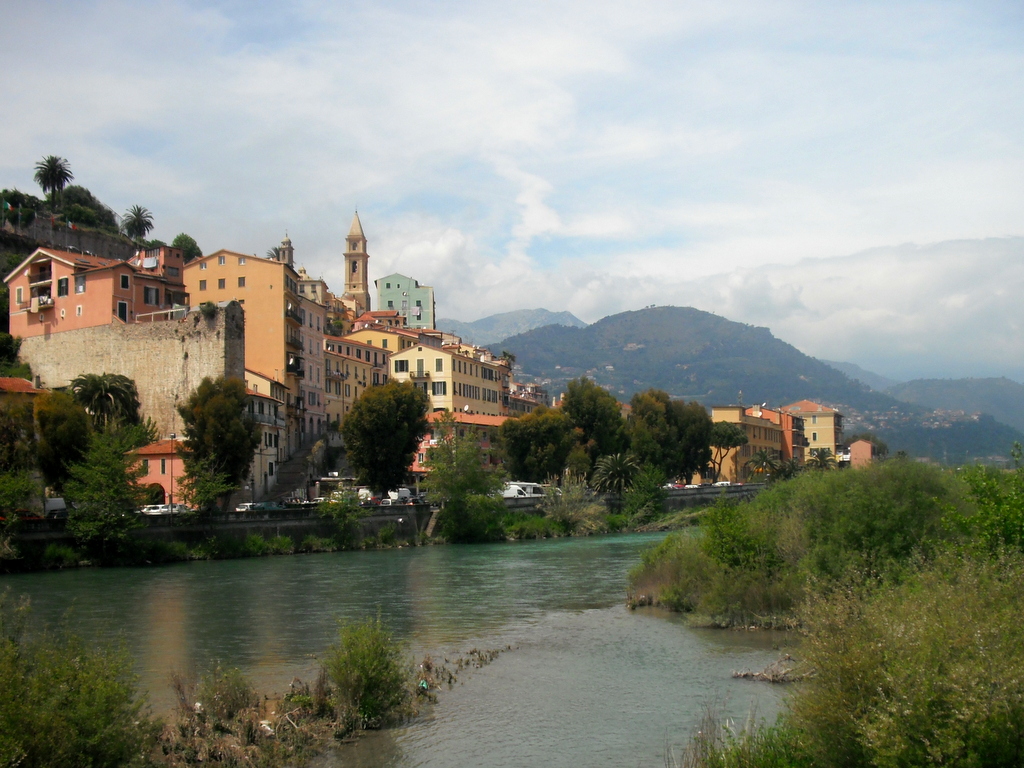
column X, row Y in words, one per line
column 696, row 355
column 492, row 329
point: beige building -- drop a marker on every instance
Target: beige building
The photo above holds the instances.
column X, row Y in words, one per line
column 457, row 378
column 350, row 368
column 823, row 426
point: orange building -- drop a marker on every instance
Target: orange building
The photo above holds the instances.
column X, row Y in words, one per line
column 162, row 467
column 53, row 291
column 794, row 442
column 761, row 432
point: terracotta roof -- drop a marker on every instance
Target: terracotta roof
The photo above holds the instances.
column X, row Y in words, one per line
column 254, row 393
column 474, row 419
column 8, row 384
column 806, row 406
column 263, row 376
column 160, row 446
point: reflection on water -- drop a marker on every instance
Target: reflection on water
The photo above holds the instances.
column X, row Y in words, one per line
column 588, row 682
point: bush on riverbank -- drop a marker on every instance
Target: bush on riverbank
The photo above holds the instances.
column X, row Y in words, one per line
column 926, row 672
column 63, row 703
column 750, row 563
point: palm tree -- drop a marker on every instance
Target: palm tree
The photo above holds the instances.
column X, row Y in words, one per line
column 762, row 462
column 614, row 473
column 109, row 398
column 788, row 469
column 53, row 174
column 822, row 459
column 137, row 222
column 274, row 254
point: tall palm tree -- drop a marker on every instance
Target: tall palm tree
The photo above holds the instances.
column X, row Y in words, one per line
column 788, row 469
column 53, row 174
column 108, row 398
column 763, row 463
column 137, row 222
column 274, row 253
column 822, row 459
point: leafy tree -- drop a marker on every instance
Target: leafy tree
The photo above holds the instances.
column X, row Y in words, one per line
column 17, row 435
column 80, row 205
column 762, row 462
column 109, row 398
column 219, row 438
column 671, row 435
column 53, row 174
column 382, row 432
column 724, row 437
column 646, row 495
column 202, row 486
column 537, row 445
column 596, row 416
column 63, row 430
column 189, row 247
column 465, row 486
column 105, row 491
column 137, row 222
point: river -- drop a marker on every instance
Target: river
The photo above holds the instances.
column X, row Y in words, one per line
column 586, row 682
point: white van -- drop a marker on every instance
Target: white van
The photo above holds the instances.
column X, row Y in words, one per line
column 400, row 495
column 516, row 489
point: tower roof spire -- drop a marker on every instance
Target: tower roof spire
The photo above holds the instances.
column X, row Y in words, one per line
column 357, row 227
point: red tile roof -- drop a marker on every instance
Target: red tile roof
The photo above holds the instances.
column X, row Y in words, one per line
column 17, row 385
column 474, row 419
column 806, row 406
column 159, row 447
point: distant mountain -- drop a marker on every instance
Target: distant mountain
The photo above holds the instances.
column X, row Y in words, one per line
column 700, row 356
column 1001, row 398
column 489, row 330
column 875, row 381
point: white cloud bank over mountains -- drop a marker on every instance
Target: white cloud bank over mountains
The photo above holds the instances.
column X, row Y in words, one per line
column 593, row 156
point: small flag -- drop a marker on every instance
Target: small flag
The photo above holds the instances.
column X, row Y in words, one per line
column 72, row 226
column 7, row 206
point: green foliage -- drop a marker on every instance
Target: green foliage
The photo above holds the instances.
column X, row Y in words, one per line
column 189, row 247
column 53, row 174
column 382, row 432
column 63, row 430
column 137, row 222
column 209, row 309
column 537, row 445
column 17, row 435
column 930, row 672
column 822, row 459
column 202, row 485
column 219, row 437
column 226, row 692
column 105, row 492
column 671, row 435
column 110, row 399
column 756, row 558
column 645, row 498
column 82, row 207
column 346, row 513
column 596, row 417
column 573, row 507
column 525, row 525
column 998, row 520
column 9, row 348
column 763, row 464
column 615, row 473
column 64, row 703
column 17, row 489
column 369, row 671
column 464, row 485
column 60, row 556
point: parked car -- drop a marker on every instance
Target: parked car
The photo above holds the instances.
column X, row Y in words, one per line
column 55, row 509
column 722, row 484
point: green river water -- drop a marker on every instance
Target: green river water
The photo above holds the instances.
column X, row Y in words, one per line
column 587, row 681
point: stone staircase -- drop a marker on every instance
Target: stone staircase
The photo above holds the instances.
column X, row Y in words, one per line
column 291, row 475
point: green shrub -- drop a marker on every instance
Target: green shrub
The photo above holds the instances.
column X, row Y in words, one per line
column 645, row 499
column 523, row 525
column 370, row 674
column 209, row 309
column 280, row 545
column 254, row 546
column 316, row 544
column 60, row 556
column 224, row 693
column 573, row 507
column 64, row 703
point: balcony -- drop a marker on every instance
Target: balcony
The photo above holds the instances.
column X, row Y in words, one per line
column 335, row 374
column 418, row 374
column 295, row 366
column 291, row 313
column 294, row 340
column 42, row 277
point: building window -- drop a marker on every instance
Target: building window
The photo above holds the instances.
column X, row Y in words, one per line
column 124, row 281
column 163, row 466
column 439, row 364
column 401, row 366
column 202, row 265
column 439, row 388
column 387, row 285
column 151, row 296
column 78, row 311
column 122, row 311
column 270, row 466
column 222, row 283
column 384, row 343
column 355, row 267
column 419, row 303
column 391, row 305
column 814, row 436
column 241, row 261
column 18, row 295
column 145, row 467
column 173, row 271
column 62, row 286
column 241, row 282
column 202, row 285
column 222, row 260
column 814, row 419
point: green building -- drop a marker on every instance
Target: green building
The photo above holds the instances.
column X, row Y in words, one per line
column 411, row 300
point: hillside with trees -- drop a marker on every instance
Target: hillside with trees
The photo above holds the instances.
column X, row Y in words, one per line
column 1001, row 398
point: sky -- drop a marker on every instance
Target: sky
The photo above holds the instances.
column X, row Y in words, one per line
column 850, row 175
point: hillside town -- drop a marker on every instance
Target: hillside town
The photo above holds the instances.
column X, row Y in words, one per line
column 306, row 354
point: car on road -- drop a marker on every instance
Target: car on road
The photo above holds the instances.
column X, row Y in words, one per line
column 722, row 484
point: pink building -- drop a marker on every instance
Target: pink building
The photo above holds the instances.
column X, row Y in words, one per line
column 486, row 430
column 54, row 290
column 163, row 468
column 861, row 453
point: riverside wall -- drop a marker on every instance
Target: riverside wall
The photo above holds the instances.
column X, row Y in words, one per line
column 167, row 359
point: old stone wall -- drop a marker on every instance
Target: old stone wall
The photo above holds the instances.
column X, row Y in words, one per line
column 166, row 359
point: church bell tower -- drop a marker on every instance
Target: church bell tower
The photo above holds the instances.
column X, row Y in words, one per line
column 356, row 277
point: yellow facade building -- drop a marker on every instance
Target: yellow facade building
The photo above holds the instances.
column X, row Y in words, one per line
column 823, row 426
column 762, row 433
column 456, row 378
column 351, row 367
